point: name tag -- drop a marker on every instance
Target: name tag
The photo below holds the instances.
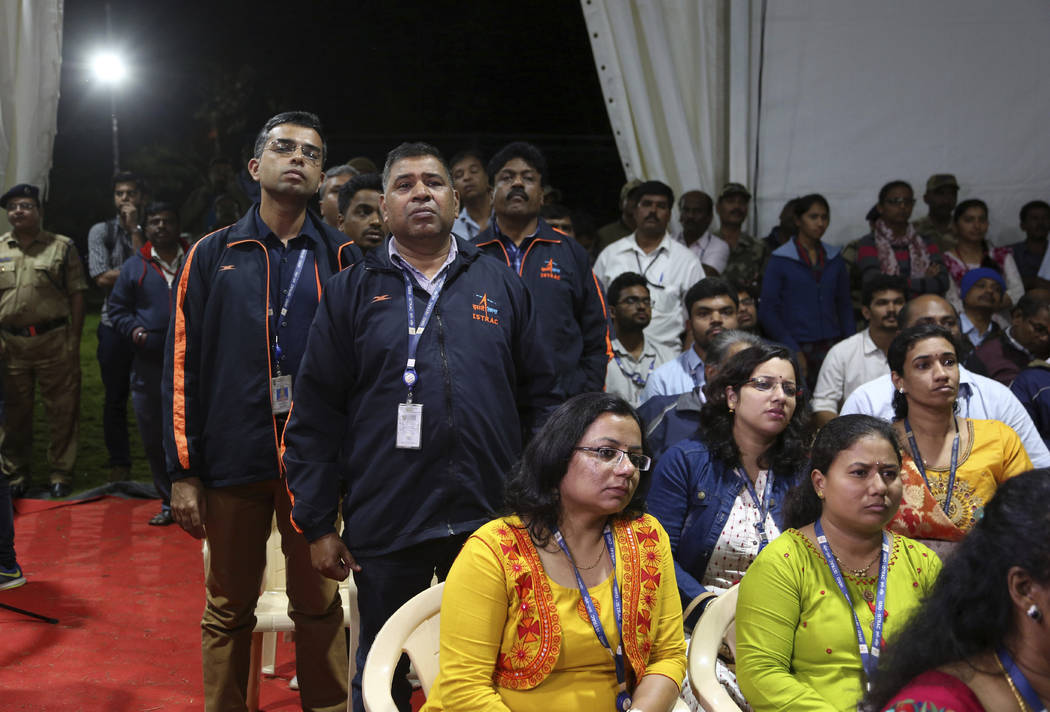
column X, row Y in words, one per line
column 281, row 394
column 409, row 426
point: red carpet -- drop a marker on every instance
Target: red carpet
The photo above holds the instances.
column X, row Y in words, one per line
column 128, row 597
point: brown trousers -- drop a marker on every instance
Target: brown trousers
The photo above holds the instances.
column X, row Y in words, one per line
column 238, row 522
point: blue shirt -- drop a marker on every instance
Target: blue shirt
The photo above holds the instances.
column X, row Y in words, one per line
column 682, row 375
column 515, row 253
column 293, row 329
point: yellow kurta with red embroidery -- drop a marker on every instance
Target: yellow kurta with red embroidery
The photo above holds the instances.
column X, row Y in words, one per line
column 511, row 638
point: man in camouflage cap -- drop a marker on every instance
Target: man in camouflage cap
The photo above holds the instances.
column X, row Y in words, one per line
column 41, row 317
column 942, row 193
column 746, row 254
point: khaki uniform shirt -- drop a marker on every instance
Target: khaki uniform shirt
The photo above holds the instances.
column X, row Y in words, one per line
column 36, row 283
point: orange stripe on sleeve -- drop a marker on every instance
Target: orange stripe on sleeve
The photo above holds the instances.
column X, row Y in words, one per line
column 179, row 365
column 605, row 313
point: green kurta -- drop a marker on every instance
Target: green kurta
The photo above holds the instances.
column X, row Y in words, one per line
column 796, row 642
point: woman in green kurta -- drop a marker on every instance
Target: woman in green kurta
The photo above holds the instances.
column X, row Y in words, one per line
column 797, row 628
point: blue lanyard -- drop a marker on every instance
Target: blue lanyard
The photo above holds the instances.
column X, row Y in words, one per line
column 410, row 377
column 635, row 378
column 284, row 309
column 761, row 504
column 869, row 657
column 1028, row 692
column 922, row 468
column 623, row 700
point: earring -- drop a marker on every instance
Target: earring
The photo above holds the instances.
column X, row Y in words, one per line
column 1034, row 613
column 820, row 495
column 732, row 410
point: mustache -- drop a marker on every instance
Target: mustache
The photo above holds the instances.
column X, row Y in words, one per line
column 519, row 192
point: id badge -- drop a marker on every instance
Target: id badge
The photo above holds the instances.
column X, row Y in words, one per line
column 281, row 394
column 409, row 426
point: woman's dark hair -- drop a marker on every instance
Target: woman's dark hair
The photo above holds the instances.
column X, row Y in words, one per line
column 970, row 610
column 960, row 210
column 533, row 490
column 897, row 354
column 801, row 505
column 803, row 204
column 788, row 452
column 885, row 190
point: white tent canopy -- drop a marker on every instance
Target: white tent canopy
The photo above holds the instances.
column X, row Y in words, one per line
column 830, row 96
column 30, row 59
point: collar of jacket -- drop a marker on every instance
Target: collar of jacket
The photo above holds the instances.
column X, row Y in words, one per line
column 379, row 258
column 244, row 229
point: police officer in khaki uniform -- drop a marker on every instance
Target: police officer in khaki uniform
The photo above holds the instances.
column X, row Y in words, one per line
column 41, row 317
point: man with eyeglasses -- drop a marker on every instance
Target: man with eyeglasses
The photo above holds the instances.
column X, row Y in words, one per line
column 554, row 267
column 425, row 368
column 712, row 307
column 668, row 266
column 634, row 356
column 41, row 318
column 243, row 303
column 1027, row 339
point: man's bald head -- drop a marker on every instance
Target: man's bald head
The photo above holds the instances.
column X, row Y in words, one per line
column 930, row 309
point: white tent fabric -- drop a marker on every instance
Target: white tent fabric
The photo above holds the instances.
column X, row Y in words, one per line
column 853, row 94
column 30, row 61
column 663, row 65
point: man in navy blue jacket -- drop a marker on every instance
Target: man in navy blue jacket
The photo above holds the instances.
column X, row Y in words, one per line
column 140, row 307
column 243, row 304
column 425, row 365
column 554, row 267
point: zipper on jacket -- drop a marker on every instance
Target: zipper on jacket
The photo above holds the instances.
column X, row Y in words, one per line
column 450, row 421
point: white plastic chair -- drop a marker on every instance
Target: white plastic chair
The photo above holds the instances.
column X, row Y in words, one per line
column 414, row 629
column 271, row 614
column 703, row 653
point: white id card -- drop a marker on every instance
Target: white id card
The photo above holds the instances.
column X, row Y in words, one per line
column 409, row 426
column 281, row 394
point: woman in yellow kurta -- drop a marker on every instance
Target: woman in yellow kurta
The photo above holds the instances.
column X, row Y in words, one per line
column 797, row 640
column 516, row 633
column 952, row 466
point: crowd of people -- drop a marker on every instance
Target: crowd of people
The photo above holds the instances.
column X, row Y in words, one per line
column 424, row 370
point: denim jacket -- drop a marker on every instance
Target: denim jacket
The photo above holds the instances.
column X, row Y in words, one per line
column 692, row 494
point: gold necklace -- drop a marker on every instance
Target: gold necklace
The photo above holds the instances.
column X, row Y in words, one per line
column 857, row 573
column 596, row 561
column 1013, row 688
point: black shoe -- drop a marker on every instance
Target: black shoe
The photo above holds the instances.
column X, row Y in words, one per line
column 162, row 518
column 18, row 489
column 60, row 490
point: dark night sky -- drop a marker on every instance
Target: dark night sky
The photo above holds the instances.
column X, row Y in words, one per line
column 455, row 74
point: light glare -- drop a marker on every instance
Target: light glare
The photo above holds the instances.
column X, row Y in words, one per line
column 109, row 67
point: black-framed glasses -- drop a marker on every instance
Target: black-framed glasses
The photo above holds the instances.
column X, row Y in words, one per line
column 765, row 383
column 287, row 147
column 634, row 301
column 614, row 456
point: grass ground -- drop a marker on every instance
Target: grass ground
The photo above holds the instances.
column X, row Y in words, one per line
column 92, row 468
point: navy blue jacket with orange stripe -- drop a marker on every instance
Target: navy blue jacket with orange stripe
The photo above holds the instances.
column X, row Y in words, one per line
column 218, row 422
column 568, row 301
column 484, row 377
column 141, row 297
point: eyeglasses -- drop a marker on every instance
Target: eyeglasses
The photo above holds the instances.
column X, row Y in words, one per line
column 899, row 201
column 614, row 456
column 764, row 383
column 286, row 147
column 27, row 205
column 634, row 301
